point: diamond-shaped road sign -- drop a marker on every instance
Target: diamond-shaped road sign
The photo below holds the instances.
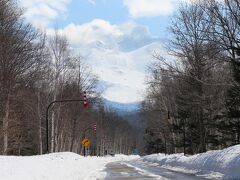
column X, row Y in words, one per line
column 86, row 142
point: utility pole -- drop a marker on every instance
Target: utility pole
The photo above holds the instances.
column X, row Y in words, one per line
column 184, row 138
column 165, row 144
column 165, row 141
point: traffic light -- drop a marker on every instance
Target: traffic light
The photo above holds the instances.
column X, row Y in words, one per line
column 85, row 103
column 94, row 127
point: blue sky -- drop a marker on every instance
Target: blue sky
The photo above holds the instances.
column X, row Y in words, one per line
column 115, row 37
column 63, row 12
column 114, row 11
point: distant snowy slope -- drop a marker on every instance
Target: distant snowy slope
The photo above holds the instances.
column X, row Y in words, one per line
column 56, row 166
column 129, row 111
column 118, row 53
column 122, row 107
column 121, row 73
column 219, row 164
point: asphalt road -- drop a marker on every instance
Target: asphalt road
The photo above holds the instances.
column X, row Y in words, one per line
column 143, row 170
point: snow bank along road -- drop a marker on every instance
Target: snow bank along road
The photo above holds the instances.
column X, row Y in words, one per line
column 220, row 164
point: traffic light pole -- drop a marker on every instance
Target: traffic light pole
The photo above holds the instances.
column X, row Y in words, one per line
column 53, row 102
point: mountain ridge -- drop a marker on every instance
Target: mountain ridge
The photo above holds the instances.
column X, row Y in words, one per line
column 122, row 107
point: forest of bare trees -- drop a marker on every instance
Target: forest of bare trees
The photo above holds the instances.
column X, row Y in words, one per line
column 36, row 69
column 193, row 100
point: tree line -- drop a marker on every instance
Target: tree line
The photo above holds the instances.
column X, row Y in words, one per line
column 36, row 69
column 193, row 100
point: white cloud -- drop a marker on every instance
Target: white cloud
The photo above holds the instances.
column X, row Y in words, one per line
column 92, row 2
column 42, row 12
column 96, row 30
column 127, row 36
column 151, row 8
column 148, row 8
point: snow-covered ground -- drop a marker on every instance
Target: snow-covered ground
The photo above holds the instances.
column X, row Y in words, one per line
column 218, row 164
column 56, row 166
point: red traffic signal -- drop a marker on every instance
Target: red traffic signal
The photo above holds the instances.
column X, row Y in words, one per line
column 85, row 103
column 94, row 127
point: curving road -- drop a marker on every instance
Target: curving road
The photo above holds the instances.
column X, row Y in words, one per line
column 142, row 170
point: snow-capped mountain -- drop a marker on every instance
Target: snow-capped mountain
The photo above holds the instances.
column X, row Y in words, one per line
column 121, row 74
column 118, row 54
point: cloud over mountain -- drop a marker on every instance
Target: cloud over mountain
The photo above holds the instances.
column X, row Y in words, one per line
column 118, row 54
column 126, row 36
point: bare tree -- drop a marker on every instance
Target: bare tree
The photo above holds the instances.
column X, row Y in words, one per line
column 59, row 48
column 189, row 85
column 18, row 55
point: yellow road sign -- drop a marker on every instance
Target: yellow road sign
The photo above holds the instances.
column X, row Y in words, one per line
column 86, row 142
